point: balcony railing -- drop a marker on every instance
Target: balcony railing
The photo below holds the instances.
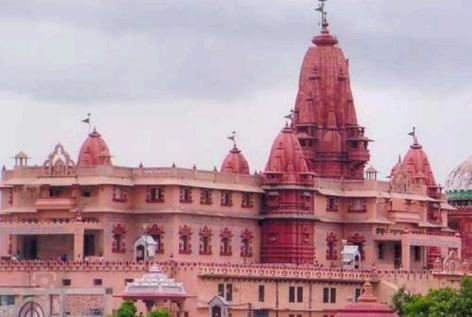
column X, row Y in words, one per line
column 55, row 203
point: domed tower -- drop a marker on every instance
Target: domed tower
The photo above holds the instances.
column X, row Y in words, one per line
column 459, row 195
column 415, row 169
column 325, row 119
column 287, row 218
column 94, row 151
column 235, row 162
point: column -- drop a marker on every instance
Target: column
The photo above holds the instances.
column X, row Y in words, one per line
column 78, row 244
column 406, row 255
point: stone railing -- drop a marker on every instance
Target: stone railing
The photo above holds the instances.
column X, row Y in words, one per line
column 47, row 221
column 202, row 269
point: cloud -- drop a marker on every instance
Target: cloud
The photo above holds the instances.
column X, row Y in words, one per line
column 193, row 71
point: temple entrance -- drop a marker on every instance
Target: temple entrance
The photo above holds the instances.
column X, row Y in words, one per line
column 31, row 309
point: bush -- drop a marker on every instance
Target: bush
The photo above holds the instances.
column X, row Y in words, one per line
column 160, row 312
column 127, row 309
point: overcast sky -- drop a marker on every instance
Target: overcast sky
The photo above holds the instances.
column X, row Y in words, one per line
column 168, row 80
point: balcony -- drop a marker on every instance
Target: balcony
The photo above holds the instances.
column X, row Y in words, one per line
column 55, row 203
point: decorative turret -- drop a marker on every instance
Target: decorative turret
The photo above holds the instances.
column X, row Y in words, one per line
column 235, row 162
column 94, row 151
column 287, row 224
column 286, row 162
column 415, row 169
column 459, row 182
column 325, row 117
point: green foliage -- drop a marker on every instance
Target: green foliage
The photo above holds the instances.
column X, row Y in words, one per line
column 400, row 299
column 444, row 302
column 160, row 312
column 127, row 309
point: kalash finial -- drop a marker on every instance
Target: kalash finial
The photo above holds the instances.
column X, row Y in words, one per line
column 324, row 14
column 233, row 138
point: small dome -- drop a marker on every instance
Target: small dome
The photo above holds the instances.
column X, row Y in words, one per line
column 286, row 155
column 94, row 151
column 461, row 177
column 235, row 163
column 416, row 166
column 367, row 306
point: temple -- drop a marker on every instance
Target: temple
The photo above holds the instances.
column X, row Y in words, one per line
column 299, row 239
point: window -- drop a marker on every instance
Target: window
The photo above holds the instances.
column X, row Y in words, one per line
column 66, row 282
column 291, row 294
column 357, row 205
column 299, row 294
column 225, row 247
column 120, row 194
column 205, row 197
column 229, row 292
column 247, row 200
column 357, row 294
column 226, row 199
column 205, row 241
column 221, row 290
column 185, row 195
column 295, row 293
column 329, row 295
column 246, row 243
column 417, row 253
column 118, row 243
column 185, row 234
column 55, row 191
column 331, row 204
column 381, row 251
column 86, row 193
column 155, row 195
column 261, row 293
column 228, row 295
column 97, row 282
column 157, row 233
column 7, row 300
column 331, row 242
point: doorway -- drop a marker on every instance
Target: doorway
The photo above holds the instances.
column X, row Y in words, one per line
column 30, row 247
column 216, row 311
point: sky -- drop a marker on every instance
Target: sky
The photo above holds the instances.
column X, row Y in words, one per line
column 167, row 81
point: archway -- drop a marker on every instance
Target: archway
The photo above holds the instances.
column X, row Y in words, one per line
column 31, row 309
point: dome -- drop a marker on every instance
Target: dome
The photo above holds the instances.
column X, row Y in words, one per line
column 286, row 155
column 416, row 167
column 235, row 163
column 460, row 179
column 94, row 151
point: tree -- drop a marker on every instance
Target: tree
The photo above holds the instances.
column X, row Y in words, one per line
column 127, row 309
column 160, row 312
column 400, row 299
column 444, row 302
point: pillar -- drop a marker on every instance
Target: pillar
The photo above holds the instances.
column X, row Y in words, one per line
column 406, row 256
column 78, row 244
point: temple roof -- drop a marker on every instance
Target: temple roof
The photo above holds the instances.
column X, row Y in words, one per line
column 94, row 151
column 324, row 83
column 235, row 162
column 154, row 284
column 286, row 155
column 415, row 166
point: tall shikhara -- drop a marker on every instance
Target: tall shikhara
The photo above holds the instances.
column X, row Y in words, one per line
column 324, row 120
